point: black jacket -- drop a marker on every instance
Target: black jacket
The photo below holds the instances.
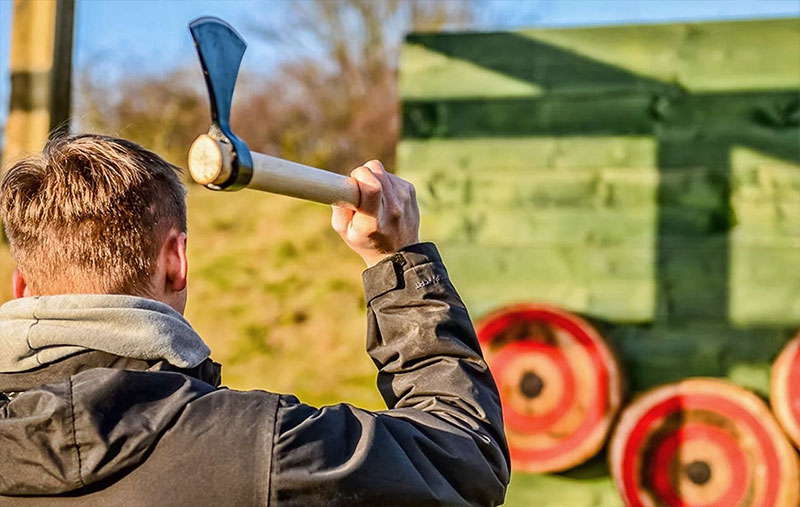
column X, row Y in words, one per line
column 98, row 429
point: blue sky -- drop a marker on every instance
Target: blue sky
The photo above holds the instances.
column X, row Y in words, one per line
column 118, row 37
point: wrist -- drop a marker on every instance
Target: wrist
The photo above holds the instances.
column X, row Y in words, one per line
column 373, row 257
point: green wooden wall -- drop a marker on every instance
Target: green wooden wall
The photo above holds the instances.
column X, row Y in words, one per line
column 647, row 177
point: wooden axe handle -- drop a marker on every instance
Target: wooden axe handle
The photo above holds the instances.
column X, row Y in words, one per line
column 210, row 164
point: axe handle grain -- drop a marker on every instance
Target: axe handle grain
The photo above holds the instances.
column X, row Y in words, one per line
column 210, row 162
column 273, row 174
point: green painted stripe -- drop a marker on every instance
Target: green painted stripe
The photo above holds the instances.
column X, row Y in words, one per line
column 767, row 120
column 580, row 115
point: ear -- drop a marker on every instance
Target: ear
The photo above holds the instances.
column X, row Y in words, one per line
column 19, row 286
column 175, row 264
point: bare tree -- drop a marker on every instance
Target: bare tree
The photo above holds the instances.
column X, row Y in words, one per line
column 335, row 104
column 162, row 113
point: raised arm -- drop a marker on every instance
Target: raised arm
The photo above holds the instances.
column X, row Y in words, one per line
column 441, row 442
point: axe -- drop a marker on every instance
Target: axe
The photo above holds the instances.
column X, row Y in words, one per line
column 221, row 161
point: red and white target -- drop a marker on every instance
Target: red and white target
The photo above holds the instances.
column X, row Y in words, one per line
column 785, row 391
column 702, row 442
column 559, row 384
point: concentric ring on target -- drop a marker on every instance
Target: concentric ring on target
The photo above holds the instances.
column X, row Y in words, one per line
column 559, row 384
column 702, row 442
column 785, row 390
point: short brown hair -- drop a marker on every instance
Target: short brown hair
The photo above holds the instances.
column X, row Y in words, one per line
column 89, row 215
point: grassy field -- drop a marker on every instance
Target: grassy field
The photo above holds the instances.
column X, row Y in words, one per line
column 278, row 297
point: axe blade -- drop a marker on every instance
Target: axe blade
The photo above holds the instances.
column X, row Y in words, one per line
column 220, row 49
column 221, row 161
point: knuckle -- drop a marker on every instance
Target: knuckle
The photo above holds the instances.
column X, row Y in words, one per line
column 395, row 213
column 360, row 173
column 372, row 191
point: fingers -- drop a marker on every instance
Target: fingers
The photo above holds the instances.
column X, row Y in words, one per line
column 404, row 191
column 379, row 171
column 375, row 166
column 371, row 188
column 394, row 189
column 387, row 218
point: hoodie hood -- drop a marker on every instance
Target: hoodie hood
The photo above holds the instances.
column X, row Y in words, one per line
column 76, row 422
column 36, row 331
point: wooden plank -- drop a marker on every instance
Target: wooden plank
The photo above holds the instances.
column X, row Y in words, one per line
column 544, row 228
column 493, row 154
column 764, row 285
column 615, row 114
column 618, row 282
column 530, row 191
column 429, row 74
column 723, row 56
column 624, row 301
column 765, row 243
column 613, row 282
column 698, row 56
column 759, row 117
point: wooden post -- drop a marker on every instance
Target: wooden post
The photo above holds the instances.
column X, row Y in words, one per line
column 41, row 71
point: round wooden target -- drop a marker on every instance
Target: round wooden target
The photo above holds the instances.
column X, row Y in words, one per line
column 559, row 384
column 785, row 392
column 702, row 442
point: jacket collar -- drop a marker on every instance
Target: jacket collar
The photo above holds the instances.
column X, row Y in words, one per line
column 207, row 371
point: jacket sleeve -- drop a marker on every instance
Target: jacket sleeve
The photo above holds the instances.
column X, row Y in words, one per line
column 440, row 443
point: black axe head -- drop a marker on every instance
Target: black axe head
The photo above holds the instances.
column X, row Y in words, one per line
column 220, row 49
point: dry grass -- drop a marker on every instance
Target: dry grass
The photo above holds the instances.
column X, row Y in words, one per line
column 276, row 295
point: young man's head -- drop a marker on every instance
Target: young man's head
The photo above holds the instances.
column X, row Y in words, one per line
column 96, row 214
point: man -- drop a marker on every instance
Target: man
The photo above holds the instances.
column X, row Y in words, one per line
column 109, row 397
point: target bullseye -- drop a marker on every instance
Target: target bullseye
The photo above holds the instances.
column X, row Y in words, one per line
column 698, row 472
column 702, row 442
column 531, row 385
column 559, row 384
